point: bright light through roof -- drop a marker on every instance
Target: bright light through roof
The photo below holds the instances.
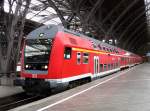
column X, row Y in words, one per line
column 147, row 6
column 47, row 16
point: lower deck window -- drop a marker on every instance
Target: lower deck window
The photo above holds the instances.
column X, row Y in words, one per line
column 101, row 68
column 122, row 58
column 116, row 65
column 112, row 66
column 109, row 66
column 105, row 67
column 85, row 58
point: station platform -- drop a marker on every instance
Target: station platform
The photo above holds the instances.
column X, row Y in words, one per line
column 127, row 90
column 7, row 87
column 9, row 90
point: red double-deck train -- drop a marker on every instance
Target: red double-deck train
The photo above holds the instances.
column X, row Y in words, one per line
column 55, row 57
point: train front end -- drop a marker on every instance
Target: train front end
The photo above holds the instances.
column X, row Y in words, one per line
column 36, row 63
column 36, row 57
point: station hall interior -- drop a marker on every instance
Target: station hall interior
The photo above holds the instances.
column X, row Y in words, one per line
column 107, row 43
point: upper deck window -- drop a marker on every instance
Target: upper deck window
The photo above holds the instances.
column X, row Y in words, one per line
column 85, row 58
column 78, row 57
column 100, row 48
column 110, row 50
column 104, row 48
column 107, row 49
column 67, row 53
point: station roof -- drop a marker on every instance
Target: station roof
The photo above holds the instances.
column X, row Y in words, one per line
column 124, row 23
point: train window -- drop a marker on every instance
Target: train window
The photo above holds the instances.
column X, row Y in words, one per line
column 122, row 58
column 104, row 48
column 36, row 54
column 110, row 50
column 117, row 65
column 85, row 58
column 109, row 66
column 67, row 53
column 112, row 66
column 117, row 51
column 107, row 49
column 101, row 68
column 105, row 67
column 78, row 57
column 114, row 51
column 99, row 47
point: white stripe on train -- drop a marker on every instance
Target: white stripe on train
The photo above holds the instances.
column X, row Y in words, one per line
column 92, row 76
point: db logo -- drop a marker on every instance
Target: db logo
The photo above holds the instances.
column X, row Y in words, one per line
column 34, row 75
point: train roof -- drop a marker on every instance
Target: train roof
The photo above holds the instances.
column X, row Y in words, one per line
column 46, row 31
column 49, row 31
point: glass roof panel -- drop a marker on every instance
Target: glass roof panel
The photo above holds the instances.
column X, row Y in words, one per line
column 38, row 12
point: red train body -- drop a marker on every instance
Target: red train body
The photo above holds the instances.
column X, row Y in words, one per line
column 53, row 57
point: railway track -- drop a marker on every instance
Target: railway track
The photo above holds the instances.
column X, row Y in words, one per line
column 16, row 100
column 20, row 99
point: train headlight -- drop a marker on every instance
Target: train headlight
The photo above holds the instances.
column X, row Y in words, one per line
column 45, row 66
column 27, row 66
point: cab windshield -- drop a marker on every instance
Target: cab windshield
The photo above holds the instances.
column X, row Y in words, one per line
column 37, row 53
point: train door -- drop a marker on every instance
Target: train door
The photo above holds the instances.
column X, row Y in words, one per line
column 96, row 65
column 119, row 62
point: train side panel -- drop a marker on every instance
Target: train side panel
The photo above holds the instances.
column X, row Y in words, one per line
column 56, row 59
column 76, row 63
